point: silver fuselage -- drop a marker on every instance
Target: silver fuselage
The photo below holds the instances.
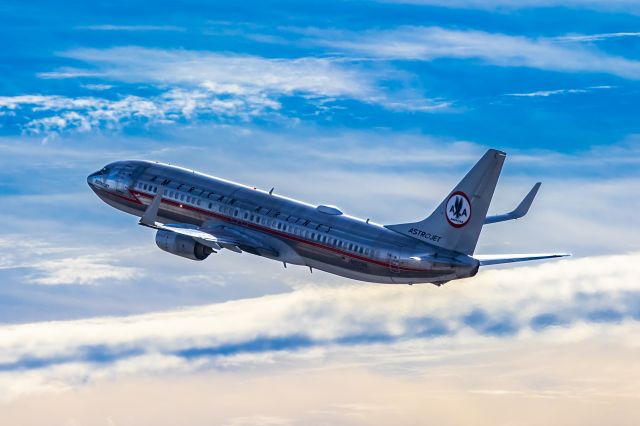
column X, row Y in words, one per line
column 319, row 237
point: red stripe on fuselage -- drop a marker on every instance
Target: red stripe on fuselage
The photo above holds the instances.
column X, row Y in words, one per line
column 269, row 231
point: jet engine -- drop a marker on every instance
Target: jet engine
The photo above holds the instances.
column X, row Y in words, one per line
column 182, row 245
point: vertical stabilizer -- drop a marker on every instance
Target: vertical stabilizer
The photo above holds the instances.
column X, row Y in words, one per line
column 456, row 223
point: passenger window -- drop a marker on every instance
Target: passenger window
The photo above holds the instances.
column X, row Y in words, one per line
column 246, row 215
column 257, row 219
column 210, row 206
column 251, row 219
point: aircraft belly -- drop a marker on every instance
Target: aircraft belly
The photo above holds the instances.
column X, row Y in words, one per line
column 346, row 266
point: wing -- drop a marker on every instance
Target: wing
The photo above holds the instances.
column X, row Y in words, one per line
column 215, row 236
column 496, row 259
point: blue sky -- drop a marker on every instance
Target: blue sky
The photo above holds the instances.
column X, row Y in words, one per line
column 376, row 106
column 585, row 85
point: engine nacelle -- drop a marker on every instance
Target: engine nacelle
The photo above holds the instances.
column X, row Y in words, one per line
column 182, row 245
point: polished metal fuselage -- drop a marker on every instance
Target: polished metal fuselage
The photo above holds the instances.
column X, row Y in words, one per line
column 301, row 233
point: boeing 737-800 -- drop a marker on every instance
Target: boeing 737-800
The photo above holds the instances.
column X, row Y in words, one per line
column 195, row 215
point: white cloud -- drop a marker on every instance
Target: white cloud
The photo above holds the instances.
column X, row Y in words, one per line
column 134, row 28
column 201, row 85
column 580, row 296
column 85, row 114
column 629, row 6
column 81, row 270
column 597, row 37
column 429, row 43
column 54, row 265
column 223, row 73
column 248, row 79
column 547, row 93
column 98, row 87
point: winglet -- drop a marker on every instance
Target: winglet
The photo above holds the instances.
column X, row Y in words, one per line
column 151, row 213
column 519, row 211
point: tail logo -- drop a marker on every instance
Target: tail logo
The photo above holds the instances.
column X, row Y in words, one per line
column 458, row 209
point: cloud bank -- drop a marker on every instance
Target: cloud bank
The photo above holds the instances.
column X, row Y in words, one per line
column 569, row 300
column 430, row 43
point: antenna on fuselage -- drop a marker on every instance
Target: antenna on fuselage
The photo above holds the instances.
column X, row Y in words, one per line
column 271, row 190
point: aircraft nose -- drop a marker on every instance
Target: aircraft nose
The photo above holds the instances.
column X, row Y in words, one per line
column 91, row 180
column 96, row 177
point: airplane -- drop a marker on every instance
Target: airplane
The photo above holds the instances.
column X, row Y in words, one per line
column 195, row 215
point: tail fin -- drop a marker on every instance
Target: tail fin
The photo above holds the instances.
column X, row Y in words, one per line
column 456, row 224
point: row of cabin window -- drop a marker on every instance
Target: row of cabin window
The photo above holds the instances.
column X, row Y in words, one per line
column 176, row 195
column 335, row 242
column 306, row 233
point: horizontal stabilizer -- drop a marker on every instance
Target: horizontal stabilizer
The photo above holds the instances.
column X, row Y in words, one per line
column 519, row 211
column 496, row 259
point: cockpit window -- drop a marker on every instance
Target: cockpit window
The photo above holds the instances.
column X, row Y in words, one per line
column 102, row 172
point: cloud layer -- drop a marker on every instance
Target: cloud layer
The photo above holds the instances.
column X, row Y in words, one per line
column 84, row 114
column 568, row 300
column 429, row 43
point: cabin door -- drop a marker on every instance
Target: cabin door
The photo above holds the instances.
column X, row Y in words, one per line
column 394, row 262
